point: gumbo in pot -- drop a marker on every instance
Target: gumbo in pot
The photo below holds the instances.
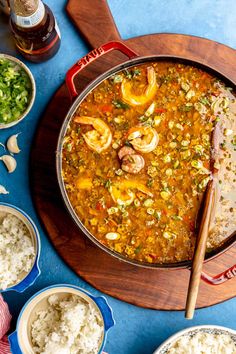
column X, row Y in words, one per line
column 136, row 158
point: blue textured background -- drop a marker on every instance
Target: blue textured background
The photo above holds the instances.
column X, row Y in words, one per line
column 137, row 330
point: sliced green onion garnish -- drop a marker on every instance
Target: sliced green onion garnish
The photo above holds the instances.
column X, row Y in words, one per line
column 15, row 91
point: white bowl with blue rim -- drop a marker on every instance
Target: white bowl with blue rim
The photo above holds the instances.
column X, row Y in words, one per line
column 20, row 340
column 25, row 279
column 191, row 331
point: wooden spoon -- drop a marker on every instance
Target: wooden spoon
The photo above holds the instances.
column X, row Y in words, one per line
column 199, row 253
column 200, row 248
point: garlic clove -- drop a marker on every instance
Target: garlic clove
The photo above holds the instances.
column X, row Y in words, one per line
column 12, row 144
column 3, row 190
column 9, row 162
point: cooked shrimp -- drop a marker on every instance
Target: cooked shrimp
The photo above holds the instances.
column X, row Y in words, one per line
column 99, row 138
column 132, row 163
column 125, row 150
column 122, row 191
column 122, row 196
column 143, row 138
column 149, row 93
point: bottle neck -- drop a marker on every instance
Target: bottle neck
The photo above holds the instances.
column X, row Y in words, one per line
column 27, row 13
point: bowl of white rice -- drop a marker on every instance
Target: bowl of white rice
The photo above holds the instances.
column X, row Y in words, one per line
column 207, row 339
column 62, row 319
column 19, row 249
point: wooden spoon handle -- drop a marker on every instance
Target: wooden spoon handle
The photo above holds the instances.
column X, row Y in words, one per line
column 200, row 250
column 94, row 21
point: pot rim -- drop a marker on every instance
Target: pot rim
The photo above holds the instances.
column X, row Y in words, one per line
column 91, row 86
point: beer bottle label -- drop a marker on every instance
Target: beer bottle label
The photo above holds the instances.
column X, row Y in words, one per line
column 31, row 20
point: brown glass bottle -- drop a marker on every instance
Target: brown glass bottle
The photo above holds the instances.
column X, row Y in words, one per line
column 35, row 30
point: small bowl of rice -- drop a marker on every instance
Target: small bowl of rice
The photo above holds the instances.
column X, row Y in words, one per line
column 62, row 319
column 206, row 339
column 19, row 249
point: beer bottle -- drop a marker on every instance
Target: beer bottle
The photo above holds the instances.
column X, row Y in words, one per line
column 35, row 30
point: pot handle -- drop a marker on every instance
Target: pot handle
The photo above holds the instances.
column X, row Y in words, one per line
column 93, row 55
column 219, row 278
column 28, row 281
column 106, row 311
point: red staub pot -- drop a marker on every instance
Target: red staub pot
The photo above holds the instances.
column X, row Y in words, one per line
column 134, row 59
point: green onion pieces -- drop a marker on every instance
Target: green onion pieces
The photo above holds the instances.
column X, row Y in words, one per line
column 15, row 91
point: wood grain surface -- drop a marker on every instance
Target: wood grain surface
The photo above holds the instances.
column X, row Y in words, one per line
column 143, row 287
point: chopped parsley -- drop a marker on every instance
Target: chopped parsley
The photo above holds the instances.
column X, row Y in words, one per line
column 130, row 74
column 150, row 182
column 186, row 108
column 127, row 143
column 204, row 101
column 138, row 249
column 107, row 184
column 120, row 104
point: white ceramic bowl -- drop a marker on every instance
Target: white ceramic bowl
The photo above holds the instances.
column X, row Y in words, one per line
column 33, row 93
column 25, row 279
column 20, row 340
column 162, row 349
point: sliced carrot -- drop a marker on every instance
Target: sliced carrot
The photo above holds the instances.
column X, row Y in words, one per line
column 160, row 110
column 153, row 256
column 99, row 206
column 106, row 108
column 148, row 232
column 111, row 223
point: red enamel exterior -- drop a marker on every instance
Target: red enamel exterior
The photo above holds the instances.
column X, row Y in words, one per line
column 93, row 55
column 220, row 278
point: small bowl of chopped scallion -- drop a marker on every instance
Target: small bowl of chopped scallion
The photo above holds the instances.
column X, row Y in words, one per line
column 17, row 91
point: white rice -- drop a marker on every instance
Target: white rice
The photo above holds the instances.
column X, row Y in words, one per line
column 17, row 253
column 68, row 326
column 204, row 343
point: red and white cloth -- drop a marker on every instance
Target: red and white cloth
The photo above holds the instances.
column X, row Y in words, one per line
column 5, row 320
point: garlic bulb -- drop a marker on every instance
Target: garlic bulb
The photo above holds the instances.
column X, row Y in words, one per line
column 9, row 162
column 12, row 144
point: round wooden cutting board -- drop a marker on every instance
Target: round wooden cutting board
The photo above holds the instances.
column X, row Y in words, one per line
column 156, row 289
